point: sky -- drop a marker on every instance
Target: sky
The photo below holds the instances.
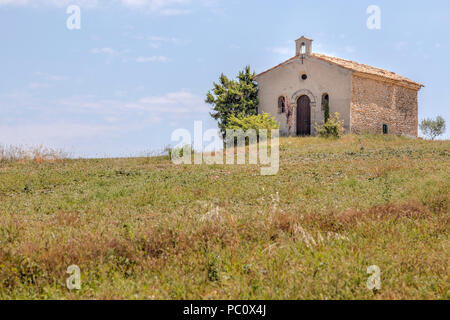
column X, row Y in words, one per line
column 137, row 70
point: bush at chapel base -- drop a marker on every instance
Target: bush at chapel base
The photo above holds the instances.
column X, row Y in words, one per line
column 333, row 128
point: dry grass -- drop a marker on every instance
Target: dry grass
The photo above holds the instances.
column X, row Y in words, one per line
column 143, row 228
column 38, row 154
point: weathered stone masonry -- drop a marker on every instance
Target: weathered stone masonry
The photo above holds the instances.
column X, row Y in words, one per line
column 376, row 102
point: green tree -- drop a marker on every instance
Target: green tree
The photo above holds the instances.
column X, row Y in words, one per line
column 433, row 128
column 232, row 98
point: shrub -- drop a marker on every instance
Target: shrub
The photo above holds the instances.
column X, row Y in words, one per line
column 433, row 128
column 332, row 128
column 178, row 152
column 255, row 122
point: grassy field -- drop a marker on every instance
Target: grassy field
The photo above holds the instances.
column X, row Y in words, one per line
column 143, row 228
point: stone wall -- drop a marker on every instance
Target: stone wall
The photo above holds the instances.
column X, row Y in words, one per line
column 375, row 103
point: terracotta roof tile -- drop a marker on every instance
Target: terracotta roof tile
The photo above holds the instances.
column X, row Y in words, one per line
column 364, row 68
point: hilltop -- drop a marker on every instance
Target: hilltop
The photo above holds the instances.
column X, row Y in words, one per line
column 145, row 228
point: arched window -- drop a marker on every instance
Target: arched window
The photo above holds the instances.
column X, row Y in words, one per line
column 326, row 107
column 281, row 104
column 303, row 48
column 325, row 100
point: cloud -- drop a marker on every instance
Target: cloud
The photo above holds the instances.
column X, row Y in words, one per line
column 50, row 77
column 13, row 2
column 108, row 51
column 175, row 12
column 401, row 45
column 41, row 133
column 178, row 102
column 175, row 102
column 27, row 111
column 135, row 3
column 283, row 51
column 152, row 59
column 39, row 85
column 157, row 42
column 45, row 80
column 86, row 124
column 162, row 7
column 55, row 3
column 319, row 47
column 154, row 5
column 350, row 49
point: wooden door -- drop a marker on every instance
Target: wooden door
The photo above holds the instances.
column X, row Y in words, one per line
column 303, row 116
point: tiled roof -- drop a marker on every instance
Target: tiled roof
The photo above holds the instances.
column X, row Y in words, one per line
column 355, row 66
column 364, row 68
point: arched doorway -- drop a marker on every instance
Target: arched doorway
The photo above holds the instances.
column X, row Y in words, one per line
column 303, row 116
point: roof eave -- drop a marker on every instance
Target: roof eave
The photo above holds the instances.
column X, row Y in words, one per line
column 403, row 83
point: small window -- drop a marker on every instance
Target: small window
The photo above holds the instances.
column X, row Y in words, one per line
column 281, row 104
column 385, row 129
column 303, row 48
column 304, row 76
column 325, row 100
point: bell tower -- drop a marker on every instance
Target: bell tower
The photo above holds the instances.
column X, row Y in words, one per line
column 303, row 46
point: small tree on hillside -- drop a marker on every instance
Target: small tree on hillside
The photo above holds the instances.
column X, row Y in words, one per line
column 232, row 98
column 433, row 128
